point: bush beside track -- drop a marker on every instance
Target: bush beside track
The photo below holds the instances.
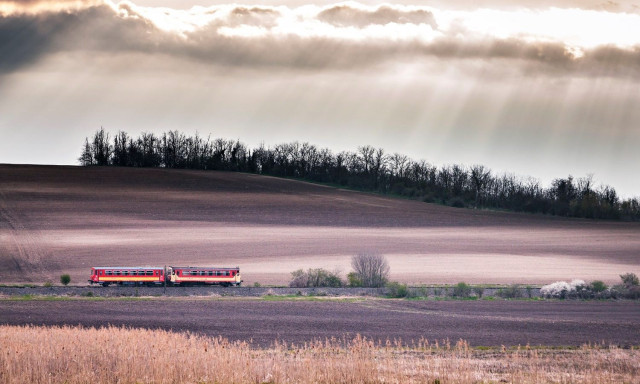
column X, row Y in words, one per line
column 132, row 291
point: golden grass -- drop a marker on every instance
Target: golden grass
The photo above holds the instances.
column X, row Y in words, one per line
column 31, row 354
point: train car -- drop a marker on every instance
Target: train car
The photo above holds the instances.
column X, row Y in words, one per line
column 204, row 275
column 127, row 275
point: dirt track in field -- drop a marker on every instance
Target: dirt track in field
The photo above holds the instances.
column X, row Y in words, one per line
column 487, row 323
column 57, row 220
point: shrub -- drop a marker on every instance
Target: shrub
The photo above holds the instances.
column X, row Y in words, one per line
column 625, row 291
column 315, row 277
column 299, row 279
column 354, row 280
column 65, row 279
column 48, row 284
column 562, row 289
column 529, row 291
column 598, row 286
column 418, row 292
column 510, row 292
column 479, row 291
column 257, row 285
column 633, row 292
column 371, row 269
column 461, row 289
column 630, row 280
column 397, row 290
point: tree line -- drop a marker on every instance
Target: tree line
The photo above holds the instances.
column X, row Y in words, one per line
column 366, row 169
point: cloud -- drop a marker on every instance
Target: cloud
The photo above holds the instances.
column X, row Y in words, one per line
column 8, row 7
column 351, row 15
column 341, row 36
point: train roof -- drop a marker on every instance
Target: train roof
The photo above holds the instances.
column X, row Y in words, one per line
column 191, row 267
column 145, row 268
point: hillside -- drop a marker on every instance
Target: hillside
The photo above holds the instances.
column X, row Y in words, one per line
column 56, row 219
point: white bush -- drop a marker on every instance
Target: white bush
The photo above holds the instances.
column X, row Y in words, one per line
column 561, row 289
column 578, row 285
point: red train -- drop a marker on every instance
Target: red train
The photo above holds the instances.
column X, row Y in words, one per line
column 204, row 275
column 172, row 275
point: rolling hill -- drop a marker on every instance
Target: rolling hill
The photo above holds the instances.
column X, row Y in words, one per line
column 64, row 219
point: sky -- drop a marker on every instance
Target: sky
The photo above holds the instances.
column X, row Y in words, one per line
column 533, row 87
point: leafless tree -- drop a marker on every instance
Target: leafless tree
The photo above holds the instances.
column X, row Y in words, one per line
column 372, row 269
column 86, row 158
column 480, row 176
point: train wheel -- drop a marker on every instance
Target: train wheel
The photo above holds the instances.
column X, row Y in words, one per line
column 105, row 284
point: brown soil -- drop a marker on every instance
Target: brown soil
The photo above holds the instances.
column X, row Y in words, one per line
column 489, row 323
column 57, row 220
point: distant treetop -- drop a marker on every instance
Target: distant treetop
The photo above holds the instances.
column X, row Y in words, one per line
column 366, row 169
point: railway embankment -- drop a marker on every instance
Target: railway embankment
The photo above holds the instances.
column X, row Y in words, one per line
column 215, row 291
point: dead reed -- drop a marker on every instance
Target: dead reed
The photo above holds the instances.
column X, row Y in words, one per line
column 31, row 354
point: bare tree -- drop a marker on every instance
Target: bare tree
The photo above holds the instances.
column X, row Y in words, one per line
column 101, row 147
column 367, row 155
column 480, row 176
column 86, row 158
column 371, row 269
column 399, row 164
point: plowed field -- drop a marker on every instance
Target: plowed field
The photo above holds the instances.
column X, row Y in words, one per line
column 492, row 323
column 57, row 220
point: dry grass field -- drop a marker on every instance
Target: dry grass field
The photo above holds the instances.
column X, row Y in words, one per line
column 126, row 355
column 56, row 219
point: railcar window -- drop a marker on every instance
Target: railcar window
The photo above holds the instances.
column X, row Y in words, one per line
column 149, row 273
column 109, row 273
column 210, row 273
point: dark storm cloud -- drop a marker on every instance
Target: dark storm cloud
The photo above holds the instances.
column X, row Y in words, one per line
column 122, row 29
column 26, row 37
